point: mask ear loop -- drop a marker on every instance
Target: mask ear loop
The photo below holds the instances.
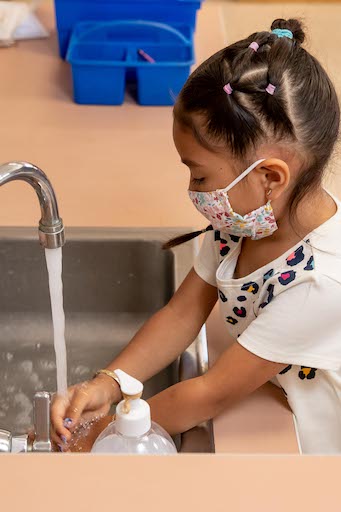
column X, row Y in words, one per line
column 243, row 174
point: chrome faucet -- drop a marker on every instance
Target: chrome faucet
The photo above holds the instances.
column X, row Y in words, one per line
column 51, row 236
column 23, row 443
column 51, row 229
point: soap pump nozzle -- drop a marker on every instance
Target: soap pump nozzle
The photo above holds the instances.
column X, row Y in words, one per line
column 132, row 413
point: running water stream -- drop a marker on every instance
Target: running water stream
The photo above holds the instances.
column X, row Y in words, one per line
column 54, row 267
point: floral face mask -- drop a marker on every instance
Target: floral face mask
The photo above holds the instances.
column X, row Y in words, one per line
column 216, row 207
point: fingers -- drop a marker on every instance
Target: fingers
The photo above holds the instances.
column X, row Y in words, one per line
column 59, row 443
column 60, row 434
column 76, row 407
column 57, row 447
column 68, row 413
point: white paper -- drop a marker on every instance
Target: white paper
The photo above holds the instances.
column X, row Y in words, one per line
column 30, row 28
column 17, row 21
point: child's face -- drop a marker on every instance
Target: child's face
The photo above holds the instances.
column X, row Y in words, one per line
column 210, row 171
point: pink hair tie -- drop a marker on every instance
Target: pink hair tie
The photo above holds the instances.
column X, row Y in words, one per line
column 254, row 46
column 228, row 89
column 270, row 89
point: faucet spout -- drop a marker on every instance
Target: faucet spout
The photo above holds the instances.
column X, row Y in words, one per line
column 51, row 229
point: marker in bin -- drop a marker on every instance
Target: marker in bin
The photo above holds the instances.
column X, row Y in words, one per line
column 147, row 57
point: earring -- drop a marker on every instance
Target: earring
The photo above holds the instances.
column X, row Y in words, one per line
column 269, row 192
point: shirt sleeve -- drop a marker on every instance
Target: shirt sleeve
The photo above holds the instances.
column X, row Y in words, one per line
column 207, row 260
column 299, row 326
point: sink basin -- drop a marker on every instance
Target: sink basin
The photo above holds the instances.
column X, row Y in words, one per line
column 114, row 280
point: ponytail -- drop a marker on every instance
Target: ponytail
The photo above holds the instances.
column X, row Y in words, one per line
column 173, row 242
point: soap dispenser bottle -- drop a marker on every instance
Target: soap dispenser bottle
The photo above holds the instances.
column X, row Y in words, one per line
column 132, row 431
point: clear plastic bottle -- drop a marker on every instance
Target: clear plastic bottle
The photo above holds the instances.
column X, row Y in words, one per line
column 133, row 431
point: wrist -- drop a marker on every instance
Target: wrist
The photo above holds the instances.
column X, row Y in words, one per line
column 111, row 386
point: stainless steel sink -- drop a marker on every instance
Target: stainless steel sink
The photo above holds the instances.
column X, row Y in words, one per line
column 114, row 279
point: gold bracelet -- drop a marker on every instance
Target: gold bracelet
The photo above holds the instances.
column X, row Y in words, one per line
column 109, row 373
column 126, row 398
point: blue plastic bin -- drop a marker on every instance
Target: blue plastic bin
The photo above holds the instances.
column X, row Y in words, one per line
column 171, row 12
column 98, row 74
column 160, row 83
column 101, row 54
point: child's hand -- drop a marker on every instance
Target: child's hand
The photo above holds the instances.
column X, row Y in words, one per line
column 85, row 402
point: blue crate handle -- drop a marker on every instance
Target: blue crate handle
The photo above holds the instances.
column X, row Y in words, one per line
column 148, row 24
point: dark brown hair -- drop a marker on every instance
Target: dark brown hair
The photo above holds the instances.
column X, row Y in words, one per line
column 303, row 111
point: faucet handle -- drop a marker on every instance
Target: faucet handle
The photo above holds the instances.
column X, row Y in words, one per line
column 5, row 441
column 41, row 408
column 20, row 444
column 13, row 444
column 42, row 442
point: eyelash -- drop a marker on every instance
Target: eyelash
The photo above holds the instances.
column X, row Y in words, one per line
column 197, row 181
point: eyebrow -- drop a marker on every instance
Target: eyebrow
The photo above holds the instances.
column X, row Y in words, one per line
column 190, row 163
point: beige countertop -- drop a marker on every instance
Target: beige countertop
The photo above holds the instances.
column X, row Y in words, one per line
column 184, row 483
column 116, row 166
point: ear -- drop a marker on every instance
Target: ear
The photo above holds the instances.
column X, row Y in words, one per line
column 275, row 176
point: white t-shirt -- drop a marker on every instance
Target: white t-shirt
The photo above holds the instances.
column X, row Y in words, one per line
column 289, row 311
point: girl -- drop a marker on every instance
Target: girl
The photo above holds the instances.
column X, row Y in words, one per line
column 271, row 254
